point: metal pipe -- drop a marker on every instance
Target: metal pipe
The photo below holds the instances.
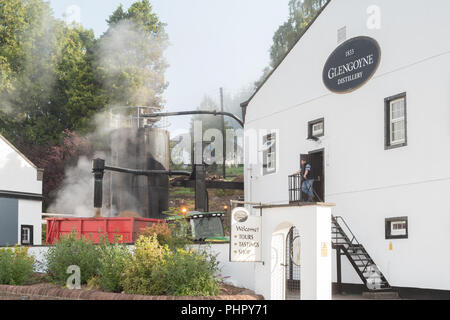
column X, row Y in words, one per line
column 188, row 113
column 148, row 172
column 98, row 168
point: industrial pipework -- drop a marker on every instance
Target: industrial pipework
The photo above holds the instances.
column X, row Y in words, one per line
column 99, row 167
column 188, row 113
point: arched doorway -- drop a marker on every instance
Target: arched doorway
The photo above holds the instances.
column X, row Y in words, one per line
column 292, row 265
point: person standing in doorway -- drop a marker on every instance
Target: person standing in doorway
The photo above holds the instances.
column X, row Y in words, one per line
column 307, row 179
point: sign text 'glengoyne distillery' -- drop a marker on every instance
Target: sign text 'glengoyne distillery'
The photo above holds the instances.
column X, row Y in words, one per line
column 352, row 64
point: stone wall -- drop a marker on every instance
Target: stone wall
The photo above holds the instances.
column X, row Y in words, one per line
column 52, row 292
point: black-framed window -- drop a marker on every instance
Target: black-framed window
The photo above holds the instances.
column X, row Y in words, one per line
column 316, row 128
column 396, row 228
column 26, row 235
column 269, row 153
column 395, row 121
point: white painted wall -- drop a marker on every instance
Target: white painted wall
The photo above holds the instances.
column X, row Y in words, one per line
column 16, row 172
column 314, row 226
column 239, row 274
column 367, row 182
column 30, row 213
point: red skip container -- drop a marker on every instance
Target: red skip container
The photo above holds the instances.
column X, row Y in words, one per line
column 124, row 230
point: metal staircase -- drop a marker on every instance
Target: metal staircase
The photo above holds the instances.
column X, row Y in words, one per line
column 344, row 240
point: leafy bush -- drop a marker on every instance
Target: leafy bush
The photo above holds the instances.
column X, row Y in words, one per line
column 167, row 234
column 72, row 250
column 16, row 266
column 155, row 270
column 113, row 259
column 188, row 273
column 138, row 276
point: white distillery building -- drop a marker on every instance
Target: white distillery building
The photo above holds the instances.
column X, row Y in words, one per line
column 20, row 198
column 364, row 95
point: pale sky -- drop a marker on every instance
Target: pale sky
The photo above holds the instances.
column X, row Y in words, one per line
column 214, row 43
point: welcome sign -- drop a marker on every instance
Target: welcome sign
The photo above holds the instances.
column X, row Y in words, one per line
column 245, row 241
column 352, row 64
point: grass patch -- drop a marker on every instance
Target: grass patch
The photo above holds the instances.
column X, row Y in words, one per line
column 182, row 192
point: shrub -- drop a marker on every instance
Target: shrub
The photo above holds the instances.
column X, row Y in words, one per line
column 16, row 266
column 138, row 276
column 72, row 250
column 167, row 234
column 188, row 273
column 155, row 270
column 162, row 231
column 113, row 260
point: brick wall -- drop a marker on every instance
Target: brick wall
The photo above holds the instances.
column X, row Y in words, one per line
column 49, row 292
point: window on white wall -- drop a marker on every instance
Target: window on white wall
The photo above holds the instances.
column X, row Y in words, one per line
column 396, row 228
column 26, row 235
column 269, row 154
column 316, row 128
column 396, row 124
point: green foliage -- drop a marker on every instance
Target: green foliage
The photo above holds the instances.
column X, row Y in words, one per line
column 171, row 235
column 16, row 266
column 44, row 233
column 141, row 14
column 113, row 259
column 139, row 276
column 188, row 273
column 72, row 250
column 131, row 64
column 181, row 191
column 155, row 270
column 55, row 78
column 47, row 77
column 301, row 14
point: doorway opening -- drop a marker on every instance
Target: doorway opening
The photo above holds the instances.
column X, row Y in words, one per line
column 316, row 160
column 293, row 265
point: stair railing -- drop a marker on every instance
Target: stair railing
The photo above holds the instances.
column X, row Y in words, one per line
column 353, row 237
column 353, row 241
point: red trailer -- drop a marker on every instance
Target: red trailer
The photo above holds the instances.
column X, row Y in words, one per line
column 125, row 230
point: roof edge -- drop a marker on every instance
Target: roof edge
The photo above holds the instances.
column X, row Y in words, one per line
column 20, row 153
column 247, row 102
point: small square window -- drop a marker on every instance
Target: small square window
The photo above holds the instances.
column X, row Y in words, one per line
column 396, row 228
column 316, row 128
column 26, row 235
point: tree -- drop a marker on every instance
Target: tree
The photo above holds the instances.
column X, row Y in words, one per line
column 77, row 87
column 55, row 78
column 131, row 57
column 48, row 82
column 301, row 14
column 54, row 158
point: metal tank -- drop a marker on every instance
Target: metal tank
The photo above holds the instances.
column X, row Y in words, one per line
column 143, row 149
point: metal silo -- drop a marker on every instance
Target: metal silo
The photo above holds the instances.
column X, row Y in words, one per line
column 142, row 149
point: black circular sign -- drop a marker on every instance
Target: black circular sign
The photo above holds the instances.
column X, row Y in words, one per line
column 352, row 64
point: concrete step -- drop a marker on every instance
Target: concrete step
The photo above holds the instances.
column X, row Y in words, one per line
column 381, row 295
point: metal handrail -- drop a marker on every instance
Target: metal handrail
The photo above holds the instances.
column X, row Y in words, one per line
column 348, row 228
column 353, row 239
column 296, row 187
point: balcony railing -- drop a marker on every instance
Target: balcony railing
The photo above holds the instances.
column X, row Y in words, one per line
column 295, row 190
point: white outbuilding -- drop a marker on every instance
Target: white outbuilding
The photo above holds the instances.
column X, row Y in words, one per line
column 364, row 98
column 20, row 198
